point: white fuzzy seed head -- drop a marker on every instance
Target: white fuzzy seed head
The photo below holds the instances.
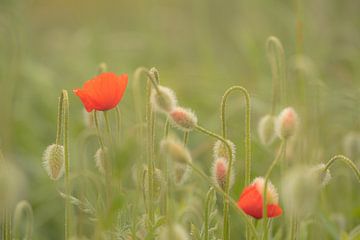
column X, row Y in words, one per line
column 173, row 232
column 176, row 151
column 219, row 173
column 53, row 161
column 320, row 174
column 287, row 123
column 184, row 119
column 163, row 101
column 100, row 158
column 221, row 151
column 272, row 195
column 266, row 129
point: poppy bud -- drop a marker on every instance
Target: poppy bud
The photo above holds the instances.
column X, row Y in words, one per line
column 183, row 118
column 176, row 151
column 323, row 177
column 53, row 161
column 220, row 171
column 287, row 123
column 163, row 100
column 266, row 129
column 251, row 199
column 351, row 145
column 221, row 151
column 100, row 158
column 174, row 232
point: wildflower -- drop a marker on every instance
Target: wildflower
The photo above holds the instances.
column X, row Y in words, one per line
column 221, row 151
column 53, row 161
column 103, row 92
column 266, row 129
column 164, row 100
column 251, row 199
column 220, row 171
column 183, row 118
column 287, row 123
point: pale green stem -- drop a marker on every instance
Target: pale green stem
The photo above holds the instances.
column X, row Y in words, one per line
column 228, row 198
column 67, row 164
column 227, row 184
column 118, row 123
column 209, row 200
column 186, row 137
column 267, row 176
column 23, row 207
column 107, row 124
column 59, row 119
column 345, row 160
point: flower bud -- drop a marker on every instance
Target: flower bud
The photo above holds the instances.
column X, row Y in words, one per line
column 173, row 232
column 323, row 177
column 183, row 118
column 287, row 123
column 266, row 129
column 220, row 171
column 351, row 145
column 53, row 161
column 163, row 100
column 176, row 151
column 221, row 151
column 100, row 158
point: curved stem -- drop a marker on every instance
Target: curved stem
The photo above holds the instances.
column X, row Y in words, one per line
column 67, row 163
column 23, row 206
column 228, row 198
column 268, row 173
column 227, row 184
column 345, row 160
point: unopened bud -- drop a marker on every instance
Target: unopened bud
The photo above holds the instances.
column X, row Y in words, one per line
column 287, row 123
column 221, row 151
column 266, row 129
column 220, row 171
column 173, row 232
column 183, row 118
column 163, row 99
column 53, row 161
column 176, row 151
column 100, row 158
column 323, row 177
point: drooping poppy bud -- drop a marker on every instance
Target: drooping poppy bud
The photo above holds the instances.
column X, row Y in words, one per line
column 266, row 129
column 220, row 171
column 287, row 123
column 53, row 161
column 251, row 199
column 103, row 92
column 321, row 175
column 183, row 118
column 221, row 151
column 163, row 101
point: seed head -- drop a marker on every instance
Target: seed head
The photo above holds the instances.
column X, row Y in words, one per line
column 163, row 101
column 183, row 118
column 221, row 151
column 175, row 151
column 220, row 171
column 287, row 123
column 53, row 161
column 100, row 158
column 266, row 129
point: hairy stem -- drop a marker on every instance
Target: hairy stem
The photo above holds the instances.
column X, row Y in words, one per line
column 345, row 160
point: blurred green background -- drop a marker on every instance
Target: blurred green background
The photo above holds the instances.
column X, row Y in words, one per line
column 200, row 48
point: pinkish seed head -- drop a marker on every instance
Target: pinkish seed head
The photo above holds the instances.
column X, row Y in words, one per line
column 287, row 123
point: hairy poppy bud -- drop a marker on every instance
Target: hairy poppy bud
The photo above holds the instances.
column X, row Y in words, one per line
column 323, row 177
column 174, row 232
column 53, row 161
column 266, row 129
column 287, row 123
column 183, row 118
column 164, row 100
column 251, row 199
column 100, row 158
column 221, row 151
column 176, row 151
column 220, row 171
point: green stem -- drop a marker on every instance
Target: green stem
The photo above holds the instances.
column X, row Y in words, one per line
column 228, row 198
column 209, row 199
column 59, row 119
column 25, row 207
column 118, row 123
column 67, row 164
column 267, row 176
column 107, row 124
column 227, row 184
column 293, row 227
column 345, row 160
column 186, row 137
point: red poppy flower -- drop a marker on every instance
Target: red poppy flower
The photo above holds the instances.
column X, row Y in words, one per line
column 251, row 200
column 103, row 92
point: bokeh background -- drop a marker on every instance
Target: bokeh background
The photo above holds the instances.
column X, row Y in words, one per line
column 200, row 48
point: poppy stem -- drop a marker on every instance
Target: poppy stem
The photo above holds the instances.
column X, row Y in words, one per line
column 226, row 229
column 186, row 137
column 247, row 141
column 209, row 199
column 59, row 119
column 67, row 163
column 118, row 123
column 345, row 160
column 228, row 198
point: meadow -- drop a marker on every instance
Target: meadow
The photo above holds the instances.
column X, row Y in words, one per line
column 172, row 119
